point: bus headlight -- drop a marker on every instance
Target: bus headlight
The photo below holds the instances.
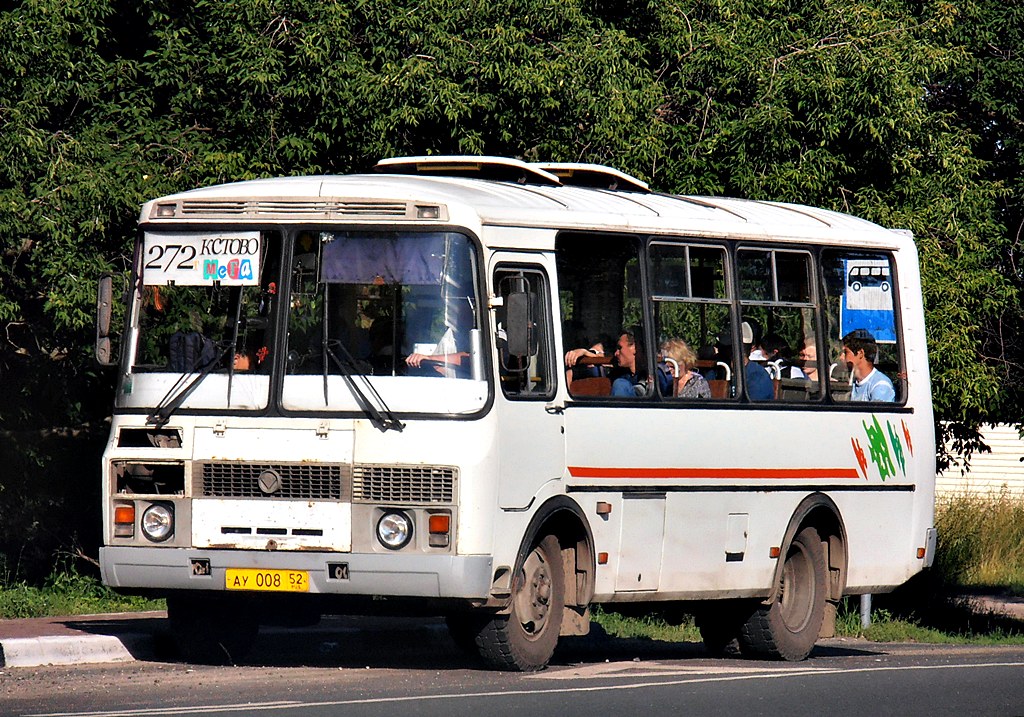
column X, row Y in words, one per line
column 158, row 522
column 394, row 530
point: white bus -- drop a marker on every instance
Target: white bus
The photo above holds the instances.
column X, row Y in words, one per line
column 341, row 394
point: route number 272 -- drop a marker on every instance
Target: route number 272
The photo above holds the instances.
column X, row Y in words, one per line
column 168, row 257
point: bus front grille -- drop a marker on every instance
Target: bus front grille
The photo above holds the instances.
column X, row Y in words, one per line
column 403, row 484
column 307, row 481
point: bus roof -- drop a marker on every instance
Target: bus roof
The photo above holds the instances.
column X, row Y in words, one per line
column 470, row 199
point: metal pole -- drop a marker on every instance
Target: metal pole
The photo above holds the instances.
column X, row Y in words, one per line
column 865, row 611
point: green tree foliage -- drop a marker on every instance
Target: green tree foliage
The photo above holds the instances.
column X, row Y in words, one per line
column 906, row 113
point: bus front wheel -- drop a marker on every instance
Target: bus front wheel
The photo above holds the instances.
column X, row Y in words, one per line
column 788, row 628
column 525, row 639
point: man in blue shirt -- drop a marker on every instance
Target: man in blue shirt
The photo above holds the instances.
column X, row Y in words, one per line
column 860, row 353
column 759, row 381
column 625, row 357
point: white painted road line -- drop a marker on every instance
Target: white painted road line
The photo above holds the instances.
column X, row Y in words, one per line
column 501, row 694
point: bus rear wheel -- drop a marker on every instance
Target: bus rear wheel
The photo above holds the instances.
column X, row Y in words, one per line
column 210, row 629
column 525, row 639
column 788, row 628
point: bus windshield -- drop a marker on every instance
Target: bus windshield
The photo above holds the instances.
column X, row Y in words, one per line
column 383, row 305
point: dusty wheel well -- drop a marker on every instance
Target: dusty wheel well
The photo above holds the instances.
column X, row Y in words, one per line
column 563, row 518
column 818, row 511
column 833, row 537
column 577, row 555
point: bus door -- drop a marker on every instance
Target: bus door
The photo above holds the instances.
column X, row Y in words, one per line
column 529, row 434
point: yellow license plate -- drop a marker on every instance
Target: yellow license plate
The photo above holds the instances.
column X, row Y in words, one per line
column 288, row 581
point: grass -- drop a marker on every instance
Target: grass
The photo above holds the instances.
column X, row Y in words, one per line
column 981, row 542
column 67, row 592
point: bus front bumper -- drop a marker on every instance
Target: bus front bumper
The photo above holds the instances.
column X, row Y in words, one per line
column 394, row 574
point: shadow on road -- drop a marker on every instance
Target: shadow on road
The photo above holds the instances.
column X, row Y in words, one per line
column 405, row 643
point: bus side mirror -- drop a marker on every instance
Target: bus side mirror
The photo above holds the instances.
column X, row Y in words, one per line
column 518, row 324
column 104, row 311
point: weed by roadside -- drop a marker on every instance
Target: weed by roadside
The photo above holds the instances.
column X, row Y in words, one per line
column 981, row 542
column 67, row 592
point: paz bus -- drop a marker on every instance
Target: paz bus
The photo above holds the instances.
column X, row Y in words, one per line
column 343, row 394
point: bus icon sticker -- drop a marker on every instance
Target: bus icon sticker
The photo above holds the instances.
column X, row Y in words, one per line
column 867, row 298
column 862, row 275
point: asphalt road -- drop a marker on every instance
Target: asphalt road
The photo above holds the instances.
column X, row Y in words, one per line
column 380, row 667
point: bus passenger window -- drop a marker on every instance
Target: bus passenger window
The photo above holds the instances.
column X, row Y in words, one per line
column 692, row 309
column 602, row 316
column 778, row 302
column 523, row 323
column 862, row 344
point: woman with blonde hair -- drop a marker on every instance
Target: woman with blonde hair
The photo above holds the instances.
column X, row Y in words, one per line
column 686, row 383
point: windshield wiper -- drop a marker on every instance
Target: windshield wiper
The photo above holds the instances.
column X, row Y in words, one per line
column 178, row 392
column 382, row 418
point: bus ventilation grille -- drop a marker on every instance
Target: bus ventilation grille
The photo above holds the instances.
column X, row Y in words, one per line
column 307, row 481
column 323, row 209
column 403, row 484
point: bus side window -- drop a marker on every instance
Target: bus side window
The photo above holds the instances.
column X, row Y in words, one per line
column 523, row 325
column 777, row 297
column 600, row 300
column 860, row 300
column 693, row 321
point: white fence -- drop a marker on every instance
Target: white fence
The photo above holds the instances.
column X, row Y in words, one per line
column 991, row 474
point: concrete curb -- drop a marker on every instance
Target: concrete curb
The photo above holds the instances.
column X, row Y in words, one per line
column 62, row 650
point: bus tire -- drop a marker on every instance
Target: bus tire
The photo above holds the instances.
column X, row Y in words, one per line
column 524, row 639
column 211, row 630
column 788, row 628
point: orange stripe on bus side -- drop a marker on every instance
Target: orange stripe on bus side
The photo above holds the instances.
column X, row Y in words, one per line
column 720, row 473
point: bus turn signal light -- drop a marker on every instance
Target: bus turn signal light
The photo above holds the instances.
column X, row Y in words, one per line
column 439, row 526
column 124, row 521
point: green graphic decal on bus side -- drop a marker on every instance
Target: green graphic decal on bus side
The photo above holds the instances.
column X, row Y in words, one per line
column 879, row 449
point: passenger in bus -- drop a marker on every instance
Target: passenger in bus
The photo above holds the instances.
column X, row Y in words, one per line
column 683, row 381
column 776, row 353
column 572, row 357
column 629, row 381
column 755, row 350
column 759, row 382
column 808, row 357
column 860, row 352
column 576, row 370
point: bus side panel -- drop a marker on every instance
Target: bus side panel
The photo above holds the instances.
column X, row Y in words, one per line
column 728, row 490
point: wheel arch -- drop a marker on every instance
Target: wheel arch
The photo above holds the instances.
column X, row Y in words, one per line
column 563, row 518
column 820, row 512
